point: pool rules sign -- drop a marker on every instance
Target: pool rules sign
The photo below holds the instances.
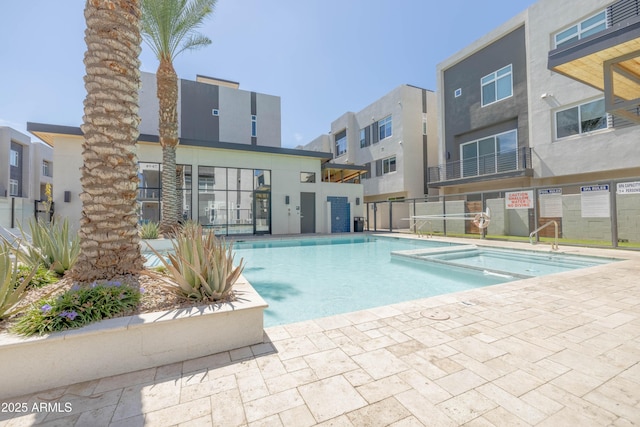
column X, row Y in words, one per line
column 595, row 201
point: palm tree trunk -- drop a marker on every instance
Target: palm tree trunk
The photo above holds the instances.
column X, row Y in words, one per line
column 109, row 239
column 168, row 100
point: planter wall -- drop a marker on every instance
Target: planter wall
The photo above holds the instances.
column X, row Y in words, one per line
column 128, row 344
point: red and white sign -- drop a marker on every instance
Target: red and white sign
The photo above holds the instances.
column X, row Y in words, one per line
column 519, row 200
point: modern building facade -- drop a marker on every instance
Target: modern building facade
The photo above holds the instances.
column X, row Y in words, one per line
column 508, row 121
column 394, row 139
column 26, row 169
column 539, row 123
column 246, row 184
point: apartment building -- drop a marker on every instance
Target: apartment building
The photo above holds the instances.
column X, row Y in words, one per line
column 508, row 120
column 26, row 169
column 232, row 173
column 538, row 110
column 394, row 139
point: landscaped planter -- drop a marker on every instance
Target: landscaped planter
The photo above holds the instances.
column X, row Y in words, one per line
column 128, row 344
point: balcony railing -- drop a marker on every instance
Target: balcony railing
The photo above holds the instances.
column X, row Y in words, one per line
column 491, row 164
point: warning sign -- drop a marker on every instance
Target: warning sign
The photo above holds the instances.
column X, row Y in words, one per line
column 628, row 187
column 519, row 200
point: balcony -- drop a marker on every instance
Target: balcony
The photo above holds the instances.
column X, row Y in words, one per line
column 492, row 166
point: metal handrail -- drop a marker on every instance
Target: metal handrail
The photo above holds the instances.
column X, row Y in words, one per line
column 554, row 246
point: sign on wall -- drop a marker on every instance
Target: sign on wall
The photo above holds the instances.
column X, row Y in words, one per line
column 628, row 187
column 594, row 201
column 550, row 202
column 519, row 200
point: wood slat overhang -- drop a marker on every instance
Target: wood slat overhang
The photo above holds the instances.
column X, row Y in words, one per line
column 608, row 61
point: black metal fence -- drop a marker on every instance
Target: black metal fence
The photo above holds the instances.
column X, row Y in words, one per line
column 598, row 213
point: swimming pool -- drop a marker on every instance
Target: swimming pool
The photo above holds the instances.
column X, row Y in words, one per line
column 304, row 279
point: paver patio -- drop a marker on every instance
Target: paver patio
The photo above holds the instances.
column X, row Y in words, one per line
column 561, row 350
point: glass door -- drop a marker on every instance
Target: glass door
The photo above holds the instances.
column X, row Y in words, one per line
column 262, row 212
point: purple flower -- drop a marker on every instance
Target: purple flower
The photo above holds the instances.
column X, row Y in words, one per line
column 94, row 284
column 69, row 314
column 45, row 308
column 75, row 288
column 141, row 290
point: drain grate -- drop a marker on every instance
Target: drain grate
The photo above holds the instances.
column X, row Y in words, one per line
column 435, row 315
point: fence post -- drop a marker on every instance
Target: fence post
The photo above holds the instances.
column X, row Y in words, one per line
column 375, row 216
column 614, row 215
column 390, row 216
column 13, row 212
column 444, row 214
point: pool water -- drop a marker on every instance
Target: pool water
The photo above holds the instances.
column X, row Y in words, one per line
column 303, row 279
column 312, row 278
column 509, row 263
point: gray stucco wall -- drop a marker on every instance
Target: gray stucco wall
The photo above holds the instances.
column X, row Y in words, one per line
column 603, row 150
column 197, row 102
column 465, row 118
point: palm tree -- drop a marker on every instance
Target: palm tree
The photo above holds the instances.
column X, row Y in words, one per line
column 109, row 239
column 169, row 28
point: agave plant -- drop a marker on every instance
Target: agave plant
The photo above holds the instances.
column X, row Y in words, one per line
column 201, row 264
column 51, row 245
column 149, row 230
column 11, row 289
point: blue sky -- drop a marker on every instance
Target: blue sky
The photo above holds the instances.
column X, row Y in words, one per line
column 322, row 58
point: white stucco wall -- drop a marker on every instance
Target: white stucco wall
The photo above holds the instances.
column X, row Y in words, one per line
column 285, row 179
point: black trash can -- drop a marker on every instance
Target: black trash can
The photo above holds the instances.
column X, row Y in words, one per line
column 358, row 224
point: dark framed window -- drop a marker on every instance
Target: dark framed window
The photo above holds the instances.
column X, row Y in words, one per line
column 341, row 143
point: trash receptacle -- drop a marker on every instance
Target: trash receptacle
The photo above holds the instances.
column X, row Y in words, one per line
column 358, row 224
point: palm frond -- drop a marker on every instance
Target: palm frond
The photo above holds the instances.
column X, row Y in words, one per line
column 169, row 26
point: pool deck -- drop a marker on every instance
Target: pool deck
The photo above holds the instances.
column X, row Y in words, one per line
column 560, row 350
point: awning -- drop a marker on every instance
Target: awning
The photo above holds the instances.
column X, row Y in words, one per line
column 608, row 61
column 334, row 172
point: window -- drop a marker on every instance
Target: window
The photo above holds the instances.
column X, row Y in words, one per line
column 497, row 86
column 589, row 26
column 384, row 128
column 389, row 165
column 206, row 183
column 46, row 168
column 424, row 123
column 496, row 153
column 13, row 187
column 307, row 177
column 254, row 125
column 215, row 112
column 457, row 92
column 15, row 158
column 341, row 143
column 364, row 138
column 367, row 174
column 582, row 118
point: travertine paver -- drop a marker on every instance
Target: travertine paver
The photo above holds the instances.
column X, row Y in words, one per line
column 560, row 350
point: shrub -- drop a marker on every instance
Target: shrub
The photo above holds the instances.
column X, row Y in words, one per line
column 12, row 289
column 201, row 264
column 149, row 230
column 77, row 307
column 40, row 278
column 51, row 245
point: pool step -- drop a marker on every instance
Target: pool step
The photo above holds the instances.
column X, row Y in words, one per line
column 438, row 256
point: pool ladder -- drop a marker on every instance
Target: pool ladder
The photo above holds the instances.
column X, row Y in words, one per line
column 554, row 245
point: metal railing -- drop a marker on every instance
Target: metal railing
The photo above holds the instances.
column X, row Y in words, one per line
column 490, row 164
column 554, row 245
